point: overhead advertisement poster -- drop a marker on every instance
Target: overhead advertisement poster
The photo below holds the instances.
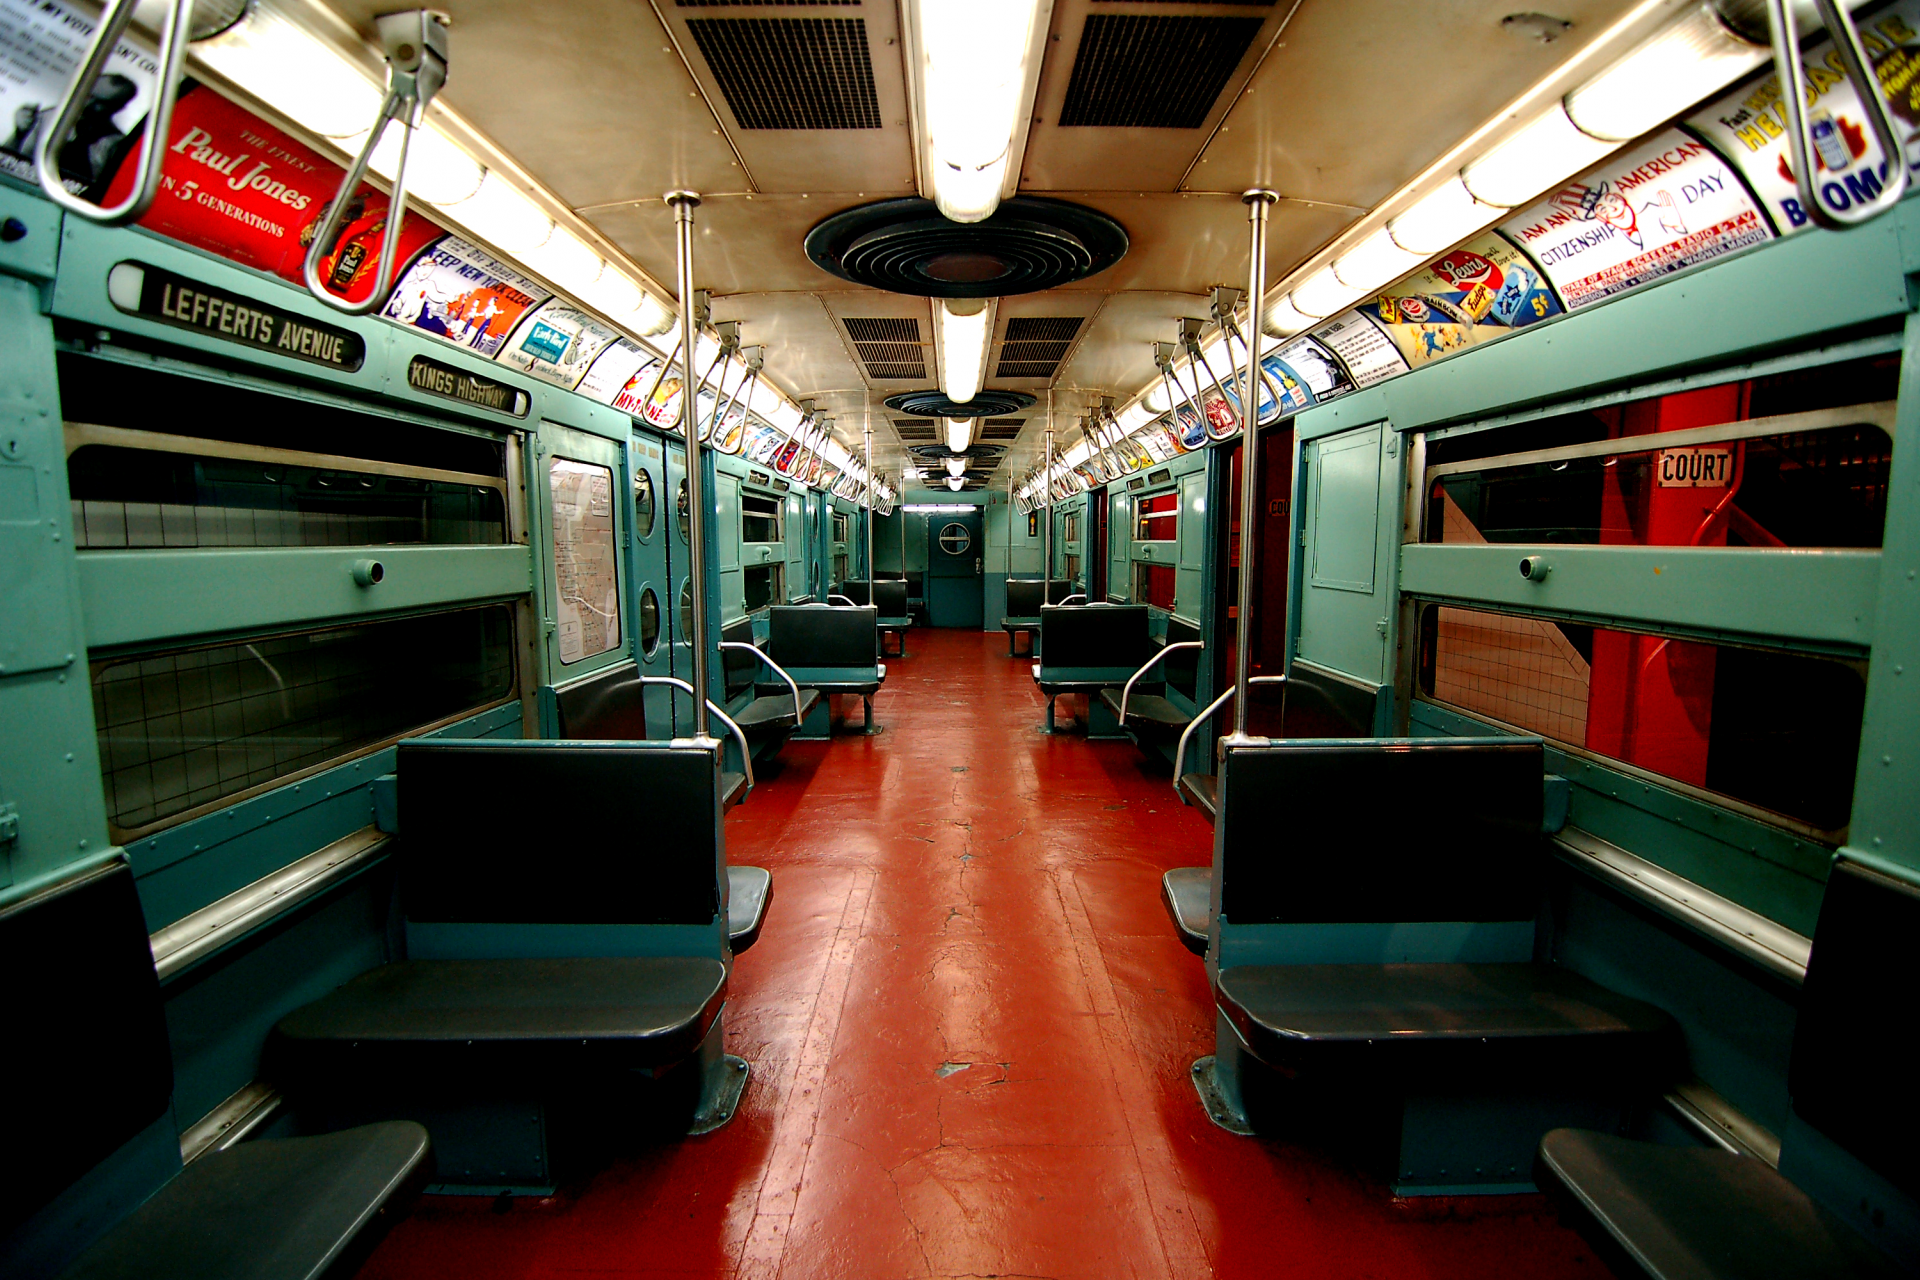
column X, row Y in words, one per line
column 1482, row 290
column 236, row 186
column 1750, row 124
column 459, row 292
column 44, row 41
column 1316, row 369
column 1369, row 355
column 556, row 344
column 621, row 376
column 1670, row 204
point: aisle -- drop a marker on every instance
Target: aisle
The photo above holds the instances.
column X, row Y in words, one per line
column 970, row 1027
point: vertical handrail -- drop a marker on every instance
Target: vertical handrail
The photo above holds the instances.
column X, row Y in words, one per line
column 416, row 47
column 1046, row 479
column 1258, row 202
column 1193, row 726
column 873, row 572
column 683, row 203
column 175, row 31
column 706, row 705
column 1866, row 86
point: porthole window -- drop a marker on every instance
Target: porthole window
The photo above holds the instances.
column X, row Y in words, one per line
column 649, row 622
column 643, row 506
column 680, row 507
column 955, row 540
column 686, row 611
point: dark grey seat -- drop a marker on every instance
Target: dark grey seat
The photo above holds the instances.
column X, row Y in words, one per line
column 1435, row 1022
column 831, row 649
column 1024, row 598
column 299, row 1207
column 1202, row 790
column 533, row 1022
column 610, row 706
column 90, row 1069
column 1085, row 648
column 768, row 715
column 1697, row 1214
column 749, row 891
column 888, row 596
column 1184, row 892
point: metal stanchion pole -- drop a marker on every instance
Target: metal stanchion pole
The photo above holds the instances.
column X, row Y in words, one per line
column 683, row 204
column 1258, row 202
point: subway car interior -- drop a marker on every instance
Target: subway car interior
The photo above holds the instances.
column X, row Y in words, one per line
column 636, row 638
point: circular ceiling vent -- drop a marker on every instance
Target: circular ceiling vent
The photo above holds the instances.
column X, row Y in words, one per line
column 987, row 453
column 906, row 246
column 934, row 403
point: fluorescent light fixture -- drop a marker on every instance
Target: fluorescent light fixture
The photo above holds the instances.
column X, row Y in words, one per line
column 962, row 332
column 1540, row 156
column 1374, row 263
column 1442, row 218
column 1322, row 294
column 1138, row 415
column 654, row 318
column 437, row 171
column 941, row 508
column 956, row 466
column 955, row 483
column 301, row 77
column 786, row 417
column 1082, row 449
column 1685, row 61
column 975, row 87
column 1158, row 397
column 502, row 216
column 566, row 260
column 959, row 433
column 1282, row 319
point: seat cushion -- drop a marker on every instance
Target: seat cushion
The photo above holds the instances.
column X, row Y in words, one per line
column 1432, row 1021
column 542, row 1018
column 775, row 710
column 1184, row 891
column 287, row 1209
column 1145, row 711
column 1204, row 790
column 1694, row 1213
column 749, row 890
column 733, row 789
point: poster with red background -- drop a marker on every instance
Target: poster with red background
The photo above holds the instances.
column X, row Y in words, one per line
column 236, row 186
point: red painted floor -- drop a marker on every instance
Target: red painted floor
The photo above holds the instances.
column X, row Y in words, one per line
column 970, row 1027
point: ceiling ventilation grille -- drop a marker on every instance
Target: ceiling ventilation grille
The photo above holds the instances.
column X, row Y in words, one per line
column 791, row 73
column 890, row 348
column 1035, row 345
column 910, row 429
column 1001, row 428
column 1153, row 71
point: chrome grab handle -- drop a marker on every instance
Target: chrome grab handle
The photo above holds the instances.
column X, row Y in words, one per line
column 175, row 31
column 831, row 597
column 1151, row 663
column 1066, row 600
column 1180, row 752
column 778, row 670
column 416, row 46
column 746, row 755
column 1866, row 85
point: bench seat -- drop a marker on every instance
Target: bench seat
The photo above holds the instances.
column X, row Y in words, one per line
column 733, row 789
column 525, row 1021
column 772, row 710
column 1014, row 626
column 1185, row 891
column 1422, row 1022
column 1203, row 789
column 1696, row 1213
column 749, row 890
column 289, row 1207
column 1145, row 710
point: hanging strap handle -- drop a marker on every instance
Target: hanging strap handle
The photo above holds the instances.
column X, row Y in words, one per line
column 1866, row 86
column 416, row 47
column 174, row 34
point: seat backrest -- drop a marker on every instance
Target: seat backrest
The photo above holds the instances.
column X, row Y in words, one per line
column 1110, row 636
column 890, row 596
column 854, row 591
column 1059, row 589
column 1381, row 830
column 1182, row 670
column 812, row 636
column 608, row 706
column 741, row 669
column 916, row 585
column 1023, row 597
column 1319, row 704
column 87, row 1065
column 1851, row 1061
column 517, row 832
